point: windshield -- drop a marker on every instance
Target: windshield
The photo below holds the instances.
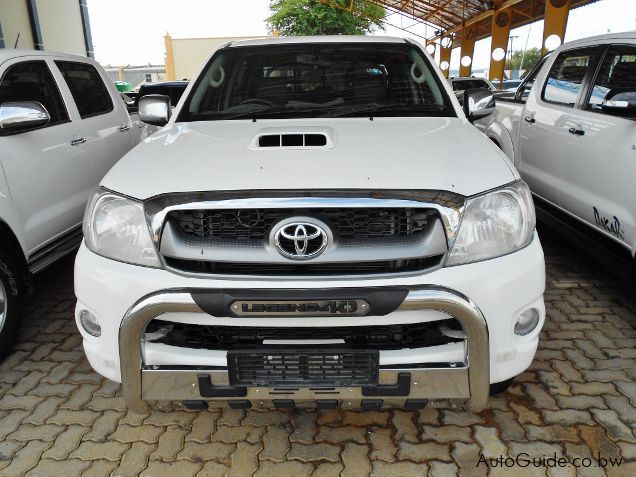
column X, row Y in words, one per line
column 317, row 80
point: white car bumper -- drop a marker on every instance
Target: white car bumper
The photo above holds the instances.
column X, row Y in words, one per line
column 486, row 297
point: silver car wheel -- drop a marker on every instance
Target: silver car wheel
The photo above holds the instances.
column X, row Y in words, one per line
column 3, row 305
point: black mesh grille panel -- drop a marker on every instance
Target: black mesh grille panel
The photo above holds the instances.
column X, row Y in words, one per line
column 414, row 335
column 347, row 223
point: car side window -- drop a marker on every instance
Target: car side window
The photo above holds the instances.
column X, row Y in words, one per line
column 33, row 81
column 87, row 87
column 565, row 79
column 616, row 81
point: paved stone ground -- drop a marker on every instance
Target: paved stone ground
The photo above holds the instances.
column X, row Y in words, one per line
column 578, row 399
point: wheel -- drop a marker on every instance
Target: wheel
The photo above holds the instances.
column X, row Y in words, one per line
column 498, row 388
column 10, row 304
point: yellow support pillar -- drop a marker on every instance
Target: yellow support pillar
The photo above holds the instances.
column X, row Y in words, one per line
column 445, row 48
column 469, row 35
column 554, row 23
column 499, row 44
column 170, row 74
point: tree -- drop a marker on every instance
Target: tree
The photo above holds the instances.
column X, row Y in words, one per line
column 313, row 17
column 531, row 58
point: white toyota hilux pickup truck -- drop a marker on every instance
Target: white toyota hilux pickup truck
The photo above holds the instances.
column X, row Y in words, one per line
column 570, row 129
column 317, row 224
column 62, row 127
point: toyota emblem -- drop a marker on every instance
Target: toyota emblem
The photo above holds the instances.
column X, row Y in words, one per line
column 300, row 240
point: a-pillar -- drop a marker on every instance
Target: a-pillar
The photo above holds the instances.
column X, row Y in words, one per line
column 555, row 21
column 499, row 44
column 469, row 35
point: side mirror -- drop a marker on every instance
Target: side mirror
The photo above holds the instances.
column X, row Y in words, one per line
column 155, row 109
column 15, row 116
column 478, row 103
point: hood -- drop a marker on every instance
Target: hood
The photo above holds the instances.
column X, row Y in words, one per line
column 386, row 153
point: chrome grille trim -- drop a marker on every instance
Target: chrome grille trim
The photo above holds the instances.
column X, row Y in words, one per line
column 447, row 206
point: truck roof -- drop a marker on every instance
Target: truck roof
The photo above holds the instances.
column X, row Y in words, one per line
column 8, row 53
column 317, row 39
column 608, row 36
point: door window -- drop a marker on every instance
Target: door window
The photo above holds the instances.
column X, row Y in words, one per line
column 565, row 79
column 33, row 81
column 616, row 81
column 87, row 87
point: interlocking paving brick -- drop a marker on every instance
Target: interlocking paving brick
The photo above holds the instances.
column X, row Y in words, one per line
column 314, row 452
column 66, row 442
column 203, row 426
column 26, row 458
column 382, row 445
column 342, row 434
column 134, row 460
column 403, row 469
column 424, row 452
column 110, row 450
column 170, row 444
column 404, row 426
column 327, row 469
column 197, row 452
column 304, row 425
column 183, row 468
column 356, row 460
column 56, row 468
column 448, row 433
column 285, row 469
column 244, row 459
column 276, row 444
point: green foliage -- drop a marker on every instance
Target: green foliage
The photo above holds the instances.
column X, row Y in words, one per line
column 531, row 58
column 312, row 17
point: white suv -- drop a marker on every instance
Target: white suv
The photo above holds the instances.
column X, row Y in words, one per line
column 62, row 127
column 317, row 224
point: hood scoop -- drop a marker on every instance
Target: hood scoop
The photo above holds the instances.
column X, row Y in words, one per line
column 292, row 140
column 310, row 138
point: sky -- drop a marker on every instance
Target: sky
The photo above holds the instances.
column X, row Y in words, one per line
column 130, row 32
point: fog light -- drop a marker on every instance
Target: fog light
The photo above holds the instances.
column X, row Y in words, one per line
column 527, row 322
column 90, row 323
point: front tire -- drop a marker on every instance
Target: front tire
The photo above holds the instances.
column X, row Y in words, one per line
column 498, row 388
column 10, row 304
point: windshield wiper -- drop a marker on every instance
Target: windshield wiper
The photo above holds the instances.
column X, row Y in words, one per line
column 390, row 108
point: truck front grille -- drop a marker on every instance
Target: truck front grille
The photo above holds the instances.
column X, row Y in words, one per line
column 347, row 223
column 382, row 337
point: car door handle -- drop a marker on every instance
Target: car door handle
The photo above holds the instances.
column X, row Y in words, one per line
column 80, row 140
column 578, row 132
column 530, row 119
column 124, row 128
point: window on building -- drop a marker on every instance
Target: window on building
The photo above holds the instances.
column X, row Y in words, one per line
column 148, row 78
column 33, row 81
column 87, row 87
column 565, row 78
column 616, row 82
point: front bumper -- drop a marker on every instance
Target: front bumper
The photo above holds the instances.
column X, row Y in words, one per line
column 486, row 297
column 468, row 380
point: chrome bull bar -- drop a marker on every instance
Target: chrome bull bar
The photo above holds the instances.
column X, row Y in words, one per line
column 140, row 384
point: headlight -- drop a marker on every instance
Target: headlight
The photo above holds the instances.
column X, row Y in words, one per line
column 115, row 227
column 494, row 224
